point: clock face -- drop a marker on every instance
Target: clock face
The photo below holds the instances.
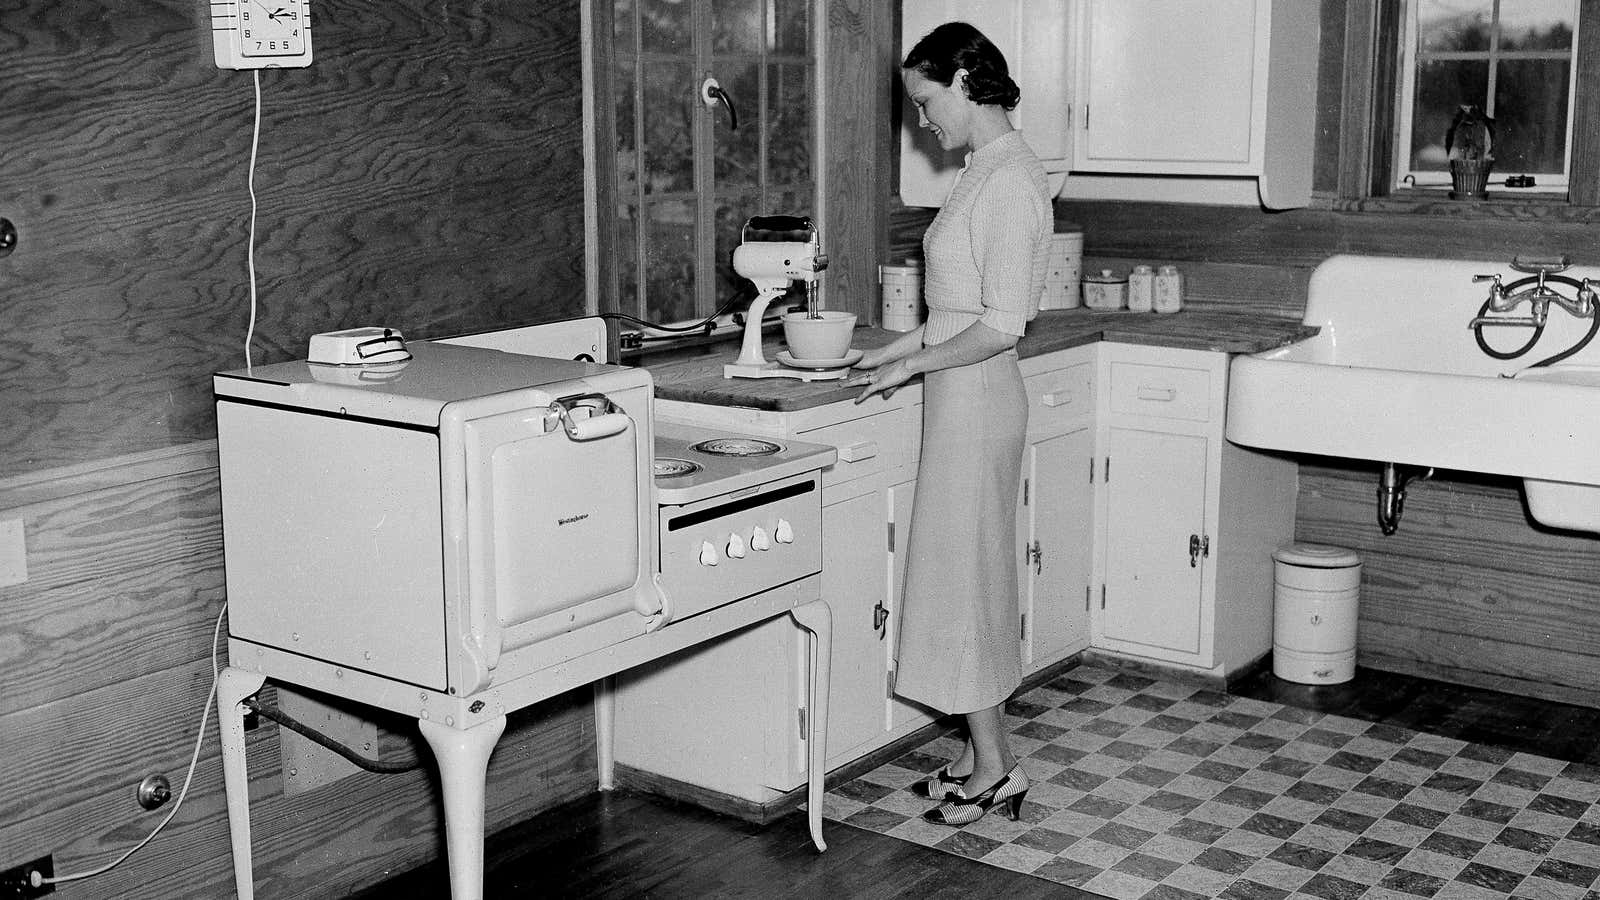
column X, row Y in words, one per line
column 272, row 27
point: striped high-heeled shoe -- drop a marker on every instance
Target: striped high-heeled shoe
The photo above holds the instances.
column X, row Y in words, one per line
column 938, row 785
column 959, row 809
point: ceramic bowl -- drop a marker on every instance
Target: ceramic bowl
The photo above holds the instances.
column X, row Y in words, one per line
column 826, row 337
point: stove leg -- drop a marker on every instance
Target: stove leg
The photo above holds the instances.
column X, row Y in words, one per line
column 817, row 618
column 463, row 755
column 605, row 708
column 233, row 686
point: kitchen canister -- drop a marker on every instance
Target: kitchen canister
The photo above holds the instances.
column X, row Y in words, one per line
column 1141, row 289
column 1063, row 276
column 1168, row 290
column 1105, row 290
column 1315, row 593
column 902, row 295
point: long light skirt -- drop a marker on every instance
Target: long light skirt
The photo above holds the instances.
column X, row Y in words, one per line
column 959, row 648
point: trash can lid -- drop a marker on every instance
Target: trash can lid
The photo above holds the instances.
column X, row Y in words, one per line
column 1317, row 556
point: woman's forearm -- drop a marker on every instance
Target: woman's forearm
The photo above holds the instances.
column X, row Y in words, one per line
column 976, row 343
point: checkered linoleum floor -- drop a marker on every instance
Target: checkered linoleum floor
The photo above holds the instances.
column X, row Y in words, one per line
column 1158, row 790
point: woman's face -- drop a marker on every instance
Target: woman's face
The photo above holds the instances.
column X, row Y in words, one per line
column 941, row 108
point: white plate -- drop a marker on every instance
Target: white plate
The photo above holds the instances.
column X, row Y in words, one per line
column 849, row 359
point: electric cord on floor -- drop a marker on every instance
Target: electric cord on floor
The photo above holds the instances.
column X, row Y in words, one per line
column 317, row 737
column 38, row 880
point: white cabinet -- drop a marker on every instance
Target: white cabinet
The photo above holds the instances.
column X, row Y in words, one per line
column 1190, row 520
column 1033, row 35
column 1117, row 91
column 1222, row 88
column 1055, row 508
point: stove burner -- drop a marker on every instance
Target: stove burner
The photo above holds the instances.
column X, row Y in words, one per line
column 668, row 467
column 736, row 447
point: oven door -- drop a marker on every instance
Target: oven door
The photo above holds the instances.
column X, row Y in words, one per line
column 552, row 544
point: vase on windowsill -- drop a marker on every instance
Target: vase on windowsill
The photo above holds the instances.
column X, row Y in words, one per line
column 1468, row 144
column 1469, row 179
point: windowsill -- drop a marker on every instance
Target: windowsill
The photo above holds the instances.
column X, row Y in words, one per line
column 1503, row 203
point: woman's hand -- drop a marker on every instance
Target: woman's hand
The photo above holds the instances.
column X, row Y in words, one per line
column 879, row 379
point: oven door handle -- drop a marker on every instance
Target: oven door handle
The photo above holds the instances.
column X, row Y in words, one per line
column 605, row 417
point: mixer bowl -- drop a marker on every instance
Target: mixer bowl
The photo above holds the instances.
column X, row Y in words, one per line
column 825, row 337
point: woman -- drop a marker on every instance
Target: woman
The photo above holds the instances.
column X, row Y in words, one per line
column 985, row 256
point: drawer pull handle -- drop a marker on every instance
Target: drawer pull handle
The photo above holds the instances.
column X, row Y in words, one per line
column 1056, row 398
column 859, row 451
column 1162, row 395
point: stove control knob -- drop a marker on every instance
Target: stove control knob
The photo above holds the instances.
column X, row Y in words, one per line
column 736, row 546
column 784, row 533
column 759, row 539
column 708, row 554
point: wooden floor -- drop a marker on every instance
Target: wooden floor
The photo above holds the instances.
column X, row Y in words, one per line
column 626, row 844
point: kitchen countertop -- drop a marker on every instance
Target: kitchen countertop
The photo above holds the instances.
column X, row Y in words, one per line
column 699, row 380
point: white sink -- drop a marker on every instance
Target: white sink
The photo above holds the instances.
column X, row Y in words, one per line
column 1395, row 376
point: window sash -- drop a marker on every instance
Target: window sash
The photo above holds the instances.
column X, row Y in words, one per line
column 1411, row 60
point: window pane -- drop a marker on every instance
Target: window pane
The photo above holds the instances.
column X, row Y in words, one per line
column 1536, row 24
column 622, row 24
column 789, row 123
column 627, row 245
column 668, row 151
column 1442, row 87
column 737, row 162
column 669, row 261
column 627, row 154
column 1530, row 116
column 1454, row 24
column 791, row 25
column 736, row 26
column 666, row 26
column 730, row 216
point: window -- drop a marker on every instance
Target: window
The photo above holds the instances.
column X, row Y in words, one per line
column 676, row 178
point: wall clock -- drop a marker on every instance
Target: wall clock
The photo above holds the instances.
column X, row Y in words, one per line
column 261, row 34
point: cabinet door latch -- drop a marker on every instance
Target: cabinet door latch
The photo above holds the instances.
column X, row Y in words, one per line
column 880, row 615
column 1198, row 546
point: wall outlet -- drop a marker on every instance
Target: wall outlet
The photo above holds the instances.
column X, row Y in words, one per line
column 16, row 883
column 13, row 553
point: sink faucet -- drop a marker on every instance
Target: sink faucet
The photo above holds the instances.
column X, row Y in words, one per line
column 1539, row 295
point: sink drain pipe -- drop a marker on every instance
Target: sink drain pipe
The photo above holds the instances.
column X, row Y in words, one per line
column 1392, row 496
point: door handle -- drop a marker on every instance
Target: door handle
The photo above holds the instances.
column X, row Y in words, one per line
column 1194, row 550
column 712, row 93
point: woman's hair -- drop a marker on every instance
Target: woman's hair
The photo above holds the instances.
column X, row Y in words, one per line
column 957, row 45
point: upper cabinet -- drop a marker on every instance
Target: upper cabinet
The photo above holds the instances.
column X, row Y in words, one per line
column 1034, row 36
column 1224, row 89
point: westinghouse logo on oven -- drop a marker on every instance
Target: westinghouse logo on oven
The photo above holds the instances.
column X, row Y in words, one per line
column 568, row 520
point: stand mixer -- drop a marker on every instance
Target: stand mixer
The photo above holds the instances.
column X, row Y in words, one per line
column 774, row 252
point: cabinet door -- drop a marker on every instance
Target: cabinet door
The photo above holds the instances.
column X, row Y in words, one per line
column 1174, row 88
column 1055, row 526
column 855, row 576
column 1033, row 36
column 903, row 714
column 1155, row 505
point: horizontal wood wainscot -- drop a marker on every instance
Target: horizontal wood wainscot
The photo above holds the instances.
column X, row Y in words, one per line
column 105, row 652
column 1469, row 589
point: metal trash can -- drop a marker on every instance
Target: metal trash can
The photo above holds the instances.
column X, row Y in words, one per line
column 1315, row 594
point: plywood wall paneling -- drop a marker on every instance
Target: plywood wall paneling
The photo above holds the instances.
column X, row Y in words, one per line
column 425, row 172
column 122, row 581
column 81, row 758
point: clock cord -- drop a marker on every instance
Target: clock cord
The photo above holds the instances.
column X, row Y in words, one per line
column 250, row 245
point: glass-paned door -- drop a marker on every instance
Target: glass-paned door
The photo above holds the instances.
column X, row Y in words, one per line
column 686, row 177
column 1514, row 59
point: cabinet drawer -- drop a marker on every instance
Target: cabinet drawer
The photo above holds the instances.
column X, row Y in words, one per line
column 1058, row 397
column 866, row 446
column 1169, row 392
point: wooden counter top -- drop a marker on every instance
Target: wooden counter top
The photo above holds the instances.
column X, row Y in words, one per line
column 700, row 380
